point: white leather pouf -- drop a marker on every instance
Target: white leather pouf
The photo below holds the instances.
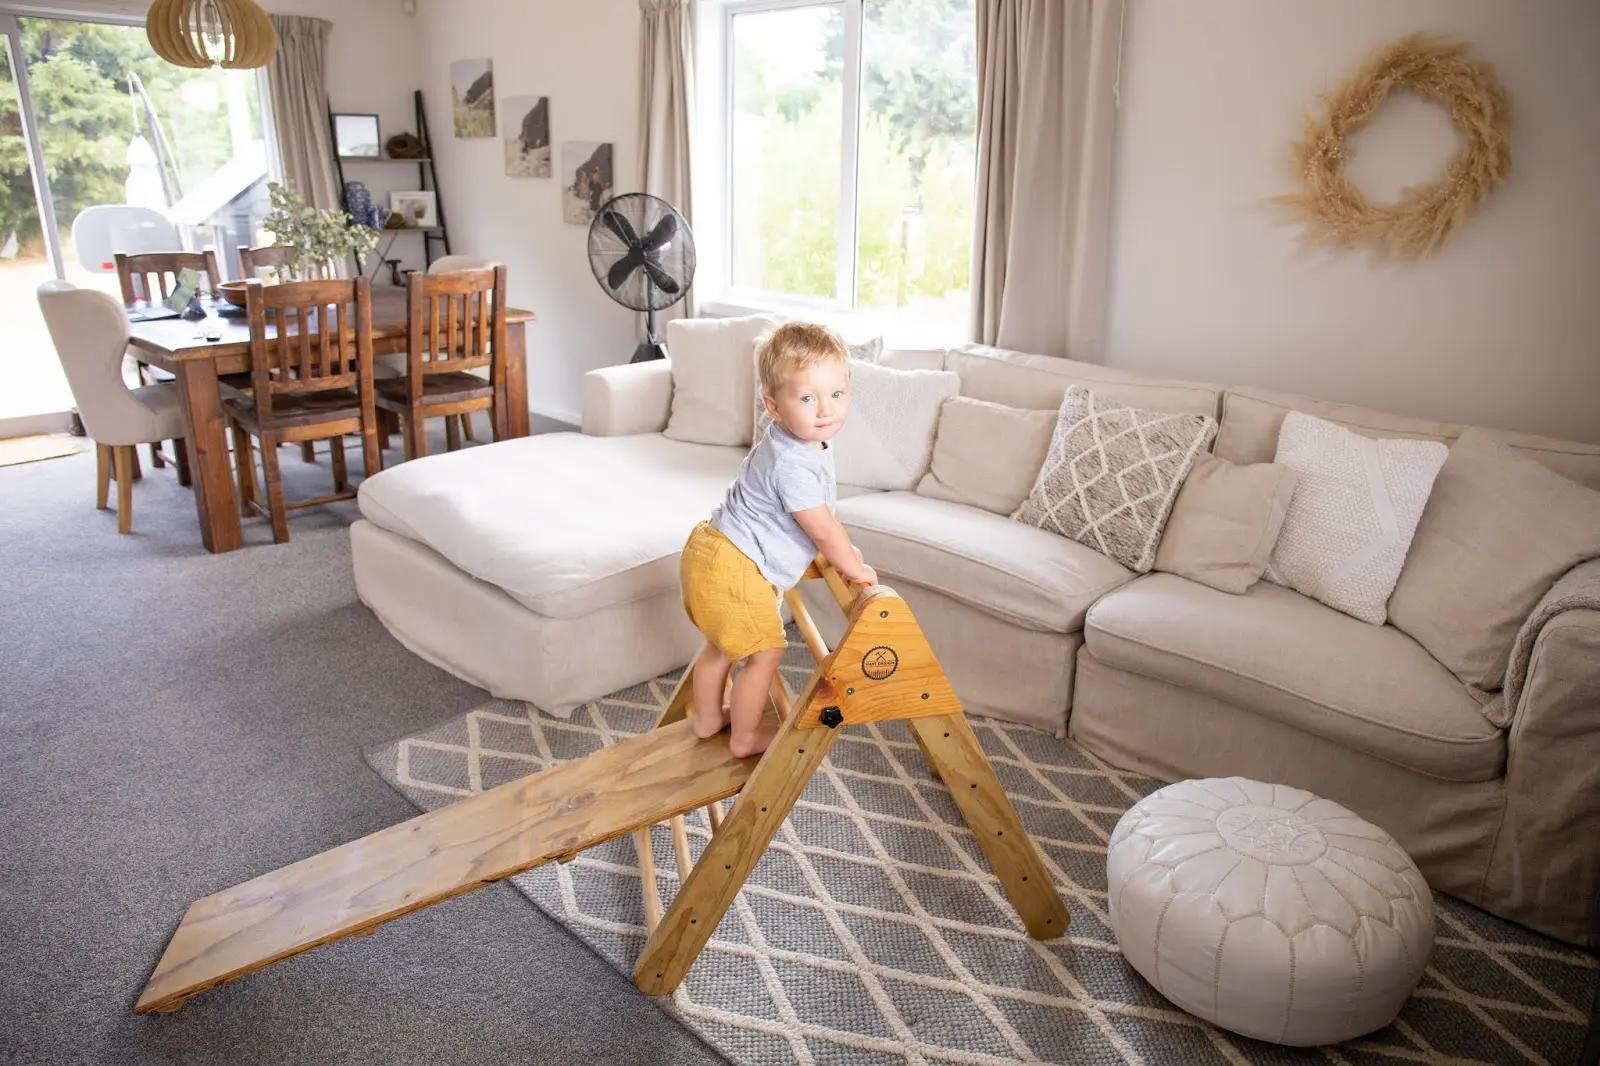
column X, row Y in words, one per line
column 1268, row 911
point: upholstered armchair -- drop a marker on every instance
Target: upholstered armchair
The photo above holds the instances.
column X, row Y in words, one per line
column 90, row 332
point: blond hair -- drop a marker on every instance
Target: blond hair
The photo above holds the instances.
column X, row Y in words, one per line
column 795, row 346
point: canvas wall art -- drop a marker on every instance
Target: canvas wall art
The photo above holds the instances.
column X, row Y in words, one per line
column 586, row 169
column 472, row 97
column 527, row 121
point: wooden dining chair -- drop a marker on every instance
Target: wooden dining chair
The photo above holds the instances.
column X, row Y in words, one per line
column 455, row 324
column 252, row 260
column 152, row 276
column 446, row 264
column 312, row 380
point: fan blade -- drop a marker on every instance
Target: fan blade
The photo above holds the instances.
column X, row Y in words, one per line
column 663, row 281
column 661, row 233
column 619, row 225
column 623, row 267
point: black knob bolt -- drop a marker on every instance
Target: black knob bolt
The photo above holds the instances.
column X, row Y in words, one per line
column 832, row 717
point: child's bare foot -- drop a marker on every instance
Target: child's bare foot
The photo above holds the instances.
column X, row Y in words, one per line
column 705, row 726
column 743, row 745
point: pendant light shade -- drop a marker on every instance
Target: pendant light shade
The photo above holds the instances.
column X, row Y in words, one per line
column 201, row 33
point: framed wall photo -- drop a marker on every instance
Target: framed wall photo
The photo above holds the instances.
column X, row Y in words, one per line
column 419, row 208
column 356, row 136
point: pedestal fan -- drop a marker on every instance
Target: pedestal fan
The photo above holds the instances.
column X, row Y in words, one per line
column 642, row 253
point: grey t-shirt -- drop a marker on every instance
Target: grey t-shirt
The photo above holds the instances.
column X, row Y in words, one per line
column 782, row 474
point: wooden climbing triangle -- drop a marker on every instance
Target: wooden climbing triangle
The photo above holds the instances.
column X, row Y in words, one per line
column 881, row 670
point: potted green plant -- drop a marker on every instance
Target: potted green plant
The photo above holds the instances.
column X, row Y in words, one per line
column 320, row 237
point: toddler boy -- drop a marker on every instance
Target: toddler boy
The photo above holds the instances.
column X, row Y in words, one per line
column 777, row 515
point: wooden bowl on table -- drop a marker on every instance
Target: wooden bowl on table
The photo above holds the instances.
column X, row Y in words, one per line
column 233, row 292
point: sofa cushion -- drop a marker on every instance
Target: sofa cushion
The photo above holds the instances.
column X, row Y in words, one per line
column 1353, row 513
column 713, row 377
column 1251, row 419
column 987, row 454
column 1225, row 522
column 1286, row 657
column 1021, row 379
column 887, row 439
column 565, row 523
column 1111, row 474
column 1006, row 569
column 1498, row 531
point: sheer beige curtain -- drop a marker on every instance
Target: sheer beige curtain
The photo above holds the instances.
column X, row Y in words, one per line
column 297, row 83
column 1047, row 72
column 666, row 102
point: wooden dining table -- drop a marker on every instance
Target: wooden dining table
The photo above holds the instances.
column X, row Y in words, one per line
column 179, row 347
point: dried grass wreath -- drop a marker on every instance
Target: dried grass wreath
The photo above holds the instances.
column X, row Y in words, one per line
column 1337, row 213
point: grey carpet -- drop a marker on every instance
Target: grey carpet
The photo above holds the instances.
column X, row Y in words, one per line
column 872, row 931
column 172, row 723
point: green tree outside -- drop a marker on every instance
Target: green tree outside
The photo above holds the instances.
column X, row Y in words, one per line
column 916, row 154
column 79, row 74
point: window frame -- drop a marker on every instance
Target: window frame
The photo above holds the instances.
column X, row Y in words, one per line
column 844, row 299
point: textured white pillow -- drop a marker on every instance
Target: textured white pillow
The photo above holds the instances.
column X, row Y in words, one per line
column 713, row 372
column 868, row 351
column 1353, row 513
column 887, row 440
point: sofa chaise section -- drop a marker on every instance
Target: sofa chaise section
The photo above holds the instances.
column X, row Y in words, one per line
column 543, row 568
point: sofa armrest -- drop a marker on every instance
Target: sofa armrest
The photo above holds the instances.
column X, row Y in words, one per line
column 1546, row 860
column 627, row 399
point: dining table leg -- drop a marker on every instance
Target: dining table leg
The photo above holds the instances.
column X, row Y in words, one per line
column 516, row 388
column 209, row 467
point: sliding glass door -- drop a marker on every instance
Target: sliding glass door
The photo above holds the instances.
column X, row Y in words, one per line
column 91, row 110
column 31, row 381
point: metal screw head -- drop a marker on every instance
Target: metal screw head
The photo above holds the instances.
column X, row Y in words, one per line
column 831, row 717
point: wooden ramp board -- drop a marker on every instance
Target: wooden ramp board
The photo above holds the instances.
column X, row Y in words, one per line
column 522, row 824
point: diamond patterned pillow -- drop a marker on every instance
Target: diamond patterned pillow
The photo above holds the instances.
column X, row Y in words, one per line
column 1111, row 475
column 1354, row 511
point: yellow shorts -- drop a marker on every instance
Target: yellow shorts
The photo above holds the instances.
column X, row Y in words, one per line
column 726, row 597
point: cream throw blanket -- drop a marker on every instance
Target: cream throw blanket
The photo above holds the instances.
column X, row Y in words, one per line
column 1579, row 590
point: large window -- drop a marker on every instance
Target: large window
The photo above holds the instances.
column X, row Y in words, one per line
column 115, row 124
column 848, row 131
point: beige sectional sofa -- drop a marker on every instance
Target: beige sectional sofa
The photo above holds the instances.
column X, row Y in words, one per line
column 545, row 569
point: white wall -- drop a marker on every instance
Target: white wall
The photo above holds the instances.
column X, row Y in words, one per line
column 1500, row 328
column 585, row 57
column 374, row 63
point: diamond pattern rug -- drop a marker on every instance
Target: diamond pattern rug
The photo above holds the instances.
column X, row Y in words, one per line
column 872, row 931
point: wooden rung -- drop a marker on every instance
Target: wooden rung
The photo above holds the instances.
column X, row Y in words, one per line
column 680, row 848
column 647, row 877
column 714, row 815
column 481, row 839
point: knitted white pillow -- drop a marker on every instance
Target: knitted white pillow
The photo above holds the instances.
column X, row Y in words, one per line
column 1354, row 511
column 887, row 439
column 868, row 351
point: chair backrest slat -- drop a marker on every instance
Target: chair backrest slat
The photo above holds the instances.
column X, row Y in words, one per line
column 152, row 276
